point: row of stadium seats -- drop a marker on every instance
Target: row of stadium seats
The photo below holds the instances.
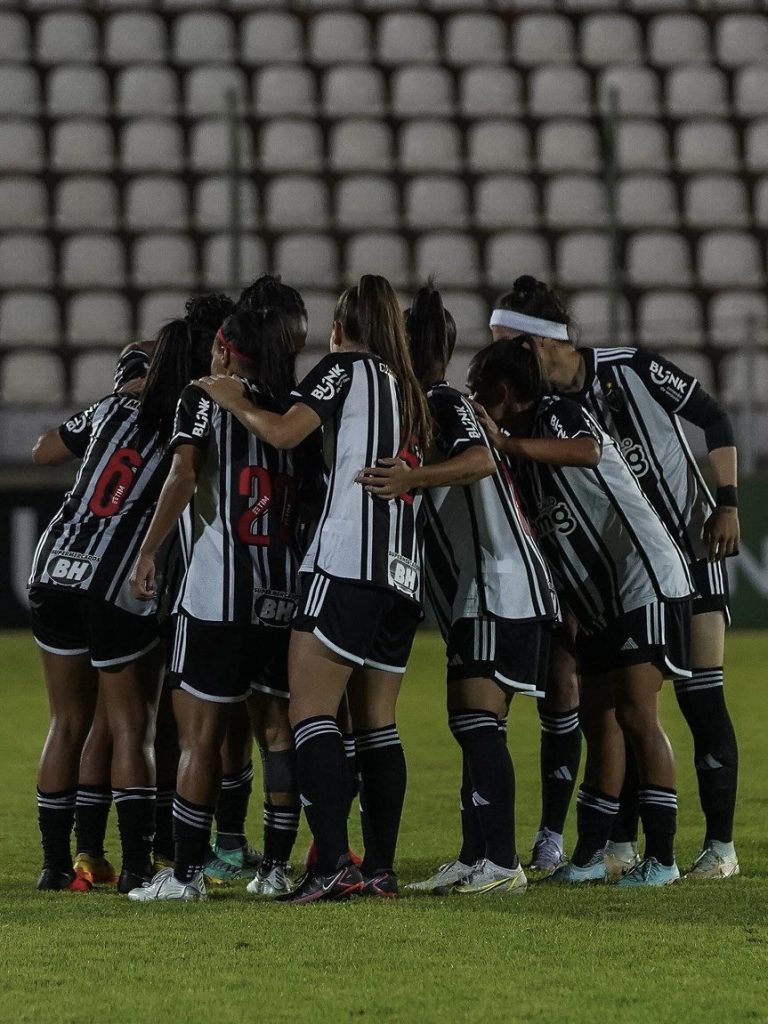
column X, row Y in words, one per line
column 397, row 37
column 439, row 7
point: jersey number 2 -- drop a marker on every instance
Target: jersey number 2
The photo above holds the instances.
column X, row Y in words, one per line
column 115, row 482
column 265, row 492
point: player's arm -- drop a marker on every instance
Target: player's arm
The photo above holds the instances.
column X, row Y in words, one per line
column 68, row 441
column 581, row 450
column 281, row 431
column 393, row 477
column 50, row 450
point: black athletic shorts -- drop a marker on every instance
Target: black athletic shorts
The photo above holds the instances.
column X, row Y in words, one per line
column 369, row 626
column 70, row 623
column 225, row 663
column 659, row 633
column 711, row 582
column 514, row 654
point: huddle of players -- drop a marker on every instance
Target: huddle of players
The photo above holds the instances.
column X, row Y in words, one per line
column 587, row 608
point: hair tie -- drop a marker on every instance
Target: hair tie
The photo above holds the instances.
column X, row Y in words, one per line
column 231, row 348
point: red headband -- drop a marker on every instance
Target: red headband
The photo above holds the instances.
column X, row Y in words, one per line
column 231, row 348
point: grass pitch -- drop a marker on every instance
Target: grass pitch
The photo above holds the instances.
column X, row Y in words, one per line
column 696, row 952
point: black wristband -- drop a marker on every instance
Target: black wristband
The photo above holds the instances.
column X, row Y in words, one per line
column 727, row 496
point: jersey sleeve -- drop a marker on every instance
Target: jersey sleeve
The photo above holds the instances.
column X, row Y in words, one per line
column 668, row 384
column 326, row 386
column 566, row 419
column 76, row 431
column 194, row 415
column 456, row 426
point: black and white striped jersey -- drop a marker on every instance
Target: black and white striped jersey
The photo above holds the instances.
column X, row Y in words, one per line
column 238, row 532
column 480, row 556
column 637, row 397
column 359, row 536
column 609, row 551
column 92, row 541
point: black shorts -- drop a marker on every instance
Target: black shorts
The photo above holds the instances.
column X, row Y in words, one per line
column 711, row 582
column 72, row 623
column 514, row 654
column 659, row 633
column 369, row 626
column 225, row 663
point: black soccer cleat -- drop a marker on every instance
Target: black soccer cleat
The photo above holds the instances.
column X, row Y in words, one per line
column 342, row 884
column 382, row 884
column 51, row 880
column 129, row 880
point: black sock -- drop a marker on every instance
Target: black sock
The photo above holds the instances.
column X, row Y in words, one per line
column 595, row 812
column 163, row 844
column 91, row 813
column 232, row 808
column 135, row 808
column 472, row 842
column 383, row 778
column 625, row 823
column 716, row 753
column 658, row 812
column 192, row 836
column 281, row 824
column 56, row 816
column 493, row 781
column 321, row 774
column 350, row 754
column 559, row 758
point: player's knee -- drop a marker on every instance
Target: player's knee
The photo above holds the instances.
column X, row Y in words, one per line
column 637, row 720
column 279, row 770
column 70, row 727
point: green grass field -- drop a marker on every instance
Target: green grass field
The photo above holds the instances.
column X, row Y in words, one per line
column 696, row 952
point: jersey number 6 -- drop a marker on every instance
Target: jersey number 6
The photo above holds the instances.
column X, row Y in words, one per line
column 115, row 482
column 265, row 491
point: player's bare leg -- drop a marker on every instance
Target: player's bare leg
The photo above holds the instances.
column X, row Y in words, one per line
column 94, row 799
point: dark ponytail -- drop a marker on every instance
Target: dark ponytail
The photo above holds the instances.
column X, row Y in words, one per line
column 432, row 333
column 370, row 315
column 269, row 292
column 534, row 298
column 514, row 361
column 263, row 337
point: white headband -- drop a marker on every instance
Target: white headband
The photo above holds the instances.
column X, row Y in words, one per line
column 529, row 324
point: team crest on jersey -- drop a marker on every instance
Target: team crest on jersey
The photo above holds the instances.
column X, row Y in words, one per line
column 331, row 383
column 71, row 568
column 273, row 608
column 635, row 456
column 403, row 573
column 554, row 517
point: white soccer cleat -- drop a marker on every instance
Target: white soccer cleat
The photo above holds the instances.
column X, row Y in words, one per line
column 620, row 858
column 164, row 886
column 487, row 877
column 716, row 860
column 444, row 879
column 273, row 883
column 547, row 854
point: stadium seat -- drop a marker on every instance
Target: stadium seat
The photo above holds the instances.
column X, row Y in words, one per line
column 152, row 144
column 339, row 37
column 22, row 146
column 66, row 36
column 700, row 367
column 19, row 91
column 366, row 202
column 211, row 210
column 750, row 89
column 741, row 38
column 157, row 308
column 729, row 259
column 512, row 253
column 610, row 39
column 541, row 39
column 646, row 201
column 696, row 91
column 92, row 261
column 135, row 37
column 572, row 201
column 668, row 319
column 706, row 146
column 591, row 313
column 32, row 378
column 291, row 145
column 558, row 91
column 641, row 146
column 761, row 202
column 502, row 201
column 498, row 146
column 284, row 90
column 471, row 315
column 568, row 146
column 353, row 89
column 421, row 91
column 268, row 37
column 714, row 200
column 23, row 204
column 307, row 260
column 296, row 201
column 489, row 91
column 756, row 146
column 435, row 202
column 452, row 258
column 745, row 377
column 146, row 91
column 217, row 261
column 82, row 146
column 96, row 318
column 377, row 253
column 636, row 90
column 29, row 319
column 210, row 146
column 678, row 39
column 87, row 202
column 734, row 316
column 427, row 145
column 208, row 88
column 584, row 259
column 26, row 261
column 357, row 145
column 91, row 376
column 321, row 307
column 658, row 260
column 77, row 90
column 155, row 203
column 475, row 38
column 200, row 38
column 163, row 260
column 14, row 38
column 402, row 37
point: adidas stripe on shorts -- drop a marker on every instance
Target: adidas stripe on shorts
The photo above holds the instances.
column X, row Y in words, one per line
column 659, row 633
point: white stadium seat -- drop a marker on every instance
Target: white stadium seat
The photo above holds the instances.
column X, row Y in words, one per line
column 729, row 259
column 25, row 261
column 92, row 374
column 678, row 39
column 210, row 145
column 542, row 38
column 14, row 37
column 716, row 200
column 291, row 145
column 208, row 88
column 96, row 318
column 568, row 146
column 486, row 91
column 23, row 204
column 503, row 201
column 297, row 201
column 696, row 90
column 741, row 38
column 86, row 202
column 339, row 36
column 30, row 378
column 306, row 259
column 750, row 89
column 706, row 146
column 284, row 89
column 402, row 38
column 658, row 259
column 163, row 260
column 66, row 36
column 156, row 308
column 92, row 260
column 357, row 145
column 642, row 145
column 22, row 145
column 591, row 312
column 268, row 37
column 756, row 146
column 154, row 202
column 735, row 315
column 610, row 39
column 211, row 208
column 575, row 201
column 366, row 202
column 669, row 318
column 377, row 253
column 135, row 37
column 636, row 90
column 512, row 253
column 217, row 261
column 29, row 319
column 498, row 146
column 429, row 146
column 146, row 91
column 646, row 201
column 421, row 91
column 475, row 38
column 151, row 144
column 199, row 38
column 435, row 202
column 19, row 91
column 82, row 146
column 452, row 258
column 353, row 89
column 557, row 91
column 584, row 259
column 77, row 90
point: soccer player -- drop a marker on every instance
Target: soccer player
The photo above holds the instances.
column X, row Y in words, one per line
column 361, row 588
column 93, row 636
column 625, row 581
column 640, row 398
column 239, row 590
column 493, row 598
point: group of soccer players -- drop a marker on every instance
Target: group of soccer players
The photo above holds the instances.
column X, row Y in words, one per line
column 242, row 557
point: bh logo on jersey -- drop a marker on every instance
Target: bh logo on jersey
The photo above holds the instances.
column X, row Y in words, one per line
column 635, row 456
column 330, row 384
column 554, row 517
column 271, row 608
column 403, row 574
column 71, row 570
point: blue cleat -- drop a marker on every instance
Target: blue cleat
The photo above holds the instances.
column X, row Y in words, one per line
column 570, row 874
column 650, row 872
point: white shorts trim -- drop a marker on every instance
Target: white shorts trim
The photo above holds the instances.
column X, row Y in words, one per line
column 61, row 651
column 677, row 673
column 529, row 689
column 381, row 667
column 258, row 688
column 214, row 700
column 338, row 650
column 128, row 657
